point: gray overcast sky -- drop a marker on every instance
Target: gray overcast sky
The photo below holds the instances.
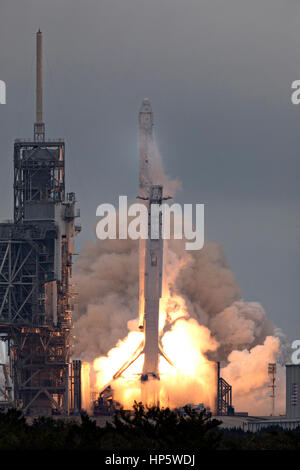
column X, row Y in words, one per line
column 218, row 74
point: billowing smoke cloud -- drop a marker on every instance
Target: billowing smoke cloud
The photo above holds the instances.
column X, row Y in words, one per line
column 213, row 297
column 200, row 286
column 248, row 370
column 107, row 281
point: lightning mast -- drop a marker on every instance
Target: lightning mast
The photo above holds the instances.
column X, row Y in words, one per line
column 272, row 370
column 39, row 126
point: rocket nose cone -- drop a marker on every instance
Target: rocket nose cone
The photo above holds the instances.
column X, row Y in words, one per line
column 146, row 106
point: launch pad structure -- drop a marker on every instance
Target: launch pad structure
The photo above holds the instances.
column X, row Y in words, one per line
column 35, row 270
column 36, row 301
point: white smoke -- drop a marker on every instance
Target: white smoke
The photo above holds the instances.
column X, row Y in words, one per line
column 107, row 282
column 244, row 338
column 247, row 370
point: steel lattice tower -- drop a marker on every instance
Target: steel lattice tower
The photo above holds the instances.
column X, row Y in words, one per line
column 35, row 271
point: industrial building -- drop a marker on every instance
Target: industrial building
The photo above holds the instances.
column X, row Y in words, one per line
column 35, row 270
column 292, row 391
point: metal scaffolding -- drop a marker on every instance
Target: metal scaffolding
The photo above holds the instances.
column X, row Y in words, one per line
column 35, row 271
column 224, row 396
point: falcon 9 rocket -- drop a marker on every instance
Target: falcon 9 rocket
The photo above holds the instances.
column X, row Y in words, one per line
column 150, row 250
column 150, row 253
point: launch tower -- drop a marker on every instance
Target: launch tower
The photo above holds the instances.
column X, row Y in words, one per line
column 35, row 270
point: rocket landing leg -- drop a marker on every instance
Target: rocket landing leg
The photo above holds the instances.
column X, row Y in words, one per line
column 145, row 375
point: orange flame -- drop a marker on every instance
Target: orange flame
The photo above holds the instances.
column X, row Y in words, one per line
column 193, row 378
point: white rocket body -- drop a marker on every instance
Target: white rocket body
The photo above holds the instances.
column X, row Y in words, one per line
column 145, row 144
column 150, row 256
column 153, row 286
column 151, row 250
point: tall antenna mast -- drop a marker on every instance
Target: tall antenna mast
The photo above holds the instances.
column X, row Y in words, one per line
column 39, row 126
column 272, row 369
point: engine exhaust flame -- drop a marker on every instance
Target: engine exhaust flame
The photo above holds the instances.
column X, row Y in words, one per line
column 185, row 342
column 203, row 318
